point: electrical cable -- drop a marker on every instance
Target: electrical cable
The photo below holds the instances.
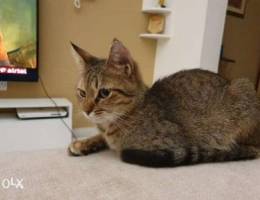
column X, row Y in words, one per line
column 74, row 137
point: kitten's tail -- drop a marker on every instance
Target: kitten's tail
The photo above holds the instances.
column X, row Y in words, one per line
column 187, row 156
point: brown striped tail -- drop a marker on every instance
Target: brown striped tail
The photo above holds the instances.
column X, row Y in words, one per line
column 187, row 156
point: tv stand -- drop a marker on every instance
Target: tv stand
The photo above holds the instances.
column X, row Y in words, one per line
column 34, row 133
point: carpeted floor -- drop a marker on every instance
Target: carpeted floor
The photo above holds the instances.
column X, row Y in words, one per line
column 52, row 175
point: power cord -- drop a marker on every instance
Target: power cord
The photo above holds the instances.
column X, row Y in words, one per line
column 74, row 137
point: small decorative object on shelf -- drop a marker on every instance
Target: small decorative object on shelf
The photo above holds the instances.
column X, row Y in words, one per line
column 77, row 3
column 162, row 3
column 156, row 23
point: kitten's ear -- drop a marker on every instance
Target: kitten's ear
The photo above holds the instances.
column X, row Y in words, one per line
column 120, row 59
column 82, row 57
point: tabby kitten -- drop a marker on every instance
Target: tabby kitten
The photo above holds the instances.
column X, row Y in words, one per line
column 190, row 117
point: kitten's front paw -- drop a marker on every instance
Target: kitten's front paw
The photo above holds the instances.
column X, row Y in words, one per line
column 74, row 149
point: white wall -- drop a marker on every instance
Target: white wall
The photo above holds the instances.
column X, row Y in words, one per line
column 196, row 28
column 214, row 28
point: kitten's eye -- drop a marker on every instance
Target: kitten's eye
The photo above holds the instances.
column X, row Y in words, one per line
column 103, row 93
column 81, row 93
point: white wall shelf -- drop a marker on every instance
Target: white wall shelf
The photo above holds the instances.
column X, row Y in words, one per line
column 197, row 28
column 155, row 10
column 155, row 36
column 153, row 7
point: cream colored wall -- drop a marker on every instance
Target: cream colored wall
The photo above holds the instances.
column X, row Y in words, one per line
column 242, row 42
column 92, row 27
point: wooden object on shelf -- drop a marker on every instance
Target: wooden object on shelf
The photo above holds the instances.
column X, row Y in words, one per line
column 156, row 23
column 159, row 26
column 162, row 3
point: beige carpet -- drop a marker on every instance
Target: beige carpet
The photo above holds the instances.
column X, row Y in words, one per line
column 53, row 175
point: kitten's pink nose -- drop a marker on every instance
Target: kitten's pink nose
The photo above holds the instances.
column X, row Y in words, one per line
column 89, row 108
column 88, row 111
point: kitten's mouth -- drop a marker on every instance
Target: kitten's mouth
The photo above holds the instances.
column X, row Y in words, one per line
column 100, row 117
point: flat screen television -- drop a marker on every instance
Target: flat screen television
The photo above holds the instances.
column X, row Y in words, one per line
column 18, row 40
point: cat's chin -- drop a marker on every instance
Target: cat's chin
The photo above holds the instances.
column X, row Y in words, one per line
column 106, row 119
column 100, row 121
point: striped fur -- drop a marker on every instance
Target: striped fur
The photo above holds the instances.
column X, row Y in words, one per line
column 166, row 158
column 193, row 116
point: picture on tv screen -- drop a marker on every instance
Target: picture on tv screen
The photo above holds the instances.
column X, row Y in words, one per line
column 18, row 40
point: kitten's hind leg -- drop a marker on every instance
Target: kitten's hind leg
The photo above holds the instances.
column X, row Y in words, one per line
column 87, row 146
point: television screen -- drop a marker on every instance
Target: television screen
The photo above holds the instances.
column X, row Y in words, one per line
column 18, row 40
